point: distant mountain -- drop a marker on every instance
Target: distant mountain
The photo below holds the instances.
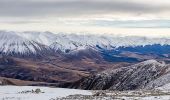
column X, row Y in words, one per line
column 145, row 75
column 12, row 43
column 137, row 53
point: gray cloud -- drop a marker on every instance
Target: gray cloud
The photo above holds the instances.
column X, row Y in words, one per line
column 132, row 23
column 20, row 22
column 23, row 8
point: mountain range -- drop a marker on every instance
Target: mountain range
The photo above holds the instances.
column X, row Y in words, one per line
column 69, row 60
column 32, row 42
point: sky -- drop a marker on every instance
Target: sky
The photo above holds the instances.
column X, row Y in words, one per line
column 89, row 16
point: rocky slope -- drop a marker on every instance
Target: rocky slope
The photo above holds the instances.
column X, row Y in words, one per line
column 52, row 69
column 137, row 76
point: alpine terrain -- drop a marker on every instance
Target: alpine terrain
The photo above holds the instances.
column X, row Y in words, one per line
column 83, row 61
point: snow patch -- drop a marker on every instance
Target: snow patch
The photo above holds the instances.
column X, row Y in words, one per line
column 13, row 92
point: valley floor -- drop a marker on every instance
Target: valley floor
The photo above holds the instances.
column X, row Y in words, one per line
column 45, row 93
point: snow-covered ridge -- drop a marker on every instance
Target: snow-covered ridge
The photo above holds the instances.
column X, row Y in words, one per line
column 22, row 42
column 10, row 42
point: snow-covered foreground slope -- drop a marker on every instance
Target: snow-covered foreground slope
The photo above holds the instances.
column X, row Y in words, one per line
column 12, row 93
column 165, row 87
column 17, row 93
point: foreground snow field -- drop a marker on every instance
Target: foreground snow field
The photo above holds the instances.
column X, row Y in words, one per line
column 28, row 93
column 13, row 93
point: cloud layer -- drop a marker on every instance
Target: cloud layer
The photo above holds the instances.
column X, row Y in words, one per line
column 62, row 8
column 84, row 14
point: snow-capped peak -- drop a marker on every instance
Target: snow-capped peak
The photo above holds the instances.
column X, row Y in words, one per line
column 12, row 42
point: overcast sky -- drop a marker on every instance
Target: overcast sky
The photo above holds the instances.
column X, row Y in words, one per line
column 114, row 16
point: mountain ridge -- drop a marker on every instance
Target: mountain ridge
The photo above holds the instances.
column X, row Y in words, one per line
column 136, row 76
column 21, row 42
